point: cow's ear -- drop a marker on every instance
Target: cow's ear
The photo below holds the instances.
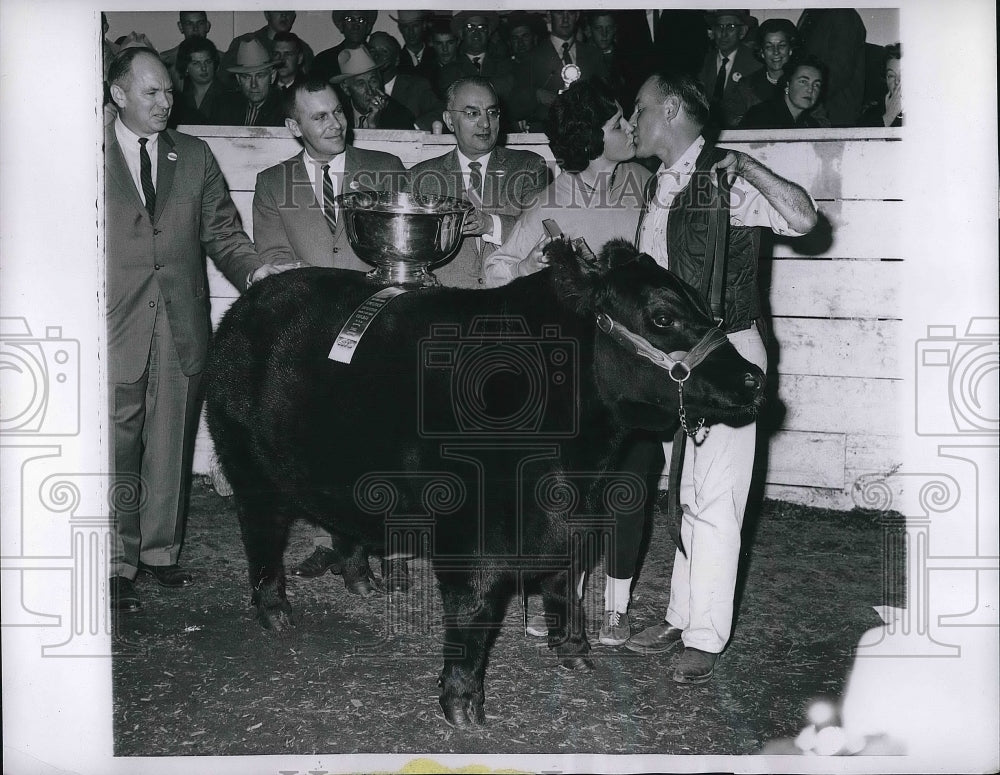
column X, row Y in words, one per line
column 618, row 252
column 575, row 271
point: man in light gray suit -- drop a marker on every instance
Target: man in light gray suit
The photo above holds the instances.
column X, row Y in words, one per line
column 165, row 202
column 295, row 219
column 499, row 182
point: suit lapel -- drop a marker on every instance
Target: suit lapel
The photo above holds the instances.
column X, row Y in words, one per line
column 117, row 169
column 166, row 165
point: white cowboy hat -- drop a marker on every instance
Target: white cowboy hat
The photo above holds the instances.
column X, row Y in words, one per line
column 251, row 57
column 354, row 61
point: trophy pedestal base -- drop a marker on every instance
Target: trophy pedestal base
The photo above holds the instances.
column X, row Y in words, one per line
column 404, row 275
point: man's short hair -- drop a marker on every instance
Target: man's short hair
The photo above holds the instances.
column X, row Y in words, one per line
column 304, row 83
column 120, row 70
column 472, row 80
column 288, row 37
column 687, row 90
column 192, row 46
column 893, row 51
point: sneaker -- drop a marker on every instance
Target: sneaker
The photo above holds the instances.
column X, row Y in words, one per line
column 615, row 629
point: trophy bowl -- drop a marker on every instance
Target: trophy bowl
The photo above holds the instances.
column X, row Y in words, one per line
column 402, row 234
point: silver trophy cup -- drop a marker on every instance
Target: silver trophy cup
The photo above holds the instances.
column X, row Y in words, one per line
column 403, row 234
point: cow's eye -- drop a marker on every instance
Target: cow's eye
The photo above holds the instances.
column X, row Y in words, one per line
column 662, row 321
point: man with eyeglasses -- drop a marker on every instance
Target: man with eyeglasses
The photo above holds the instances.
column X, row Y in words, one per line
column 499, row 182
column 727, row 63
column 474, row 30
column 355, row 26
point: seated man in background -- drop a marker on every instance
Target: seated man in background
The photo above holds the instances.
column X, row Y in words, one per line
column 445, row 45
column 726, row 64
column 499, row 182
column 474, row 30
column 289, row 54
column 411, row 90
column 370, row 107
column 296, row 220
column 417, row 56
column 355, row 26
column 257, row 102
column 277, row 21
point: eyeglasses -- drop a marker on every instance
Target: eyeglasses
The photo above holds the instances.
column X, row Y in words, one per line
column 727, row 27
column 354, row 20
column 474, row 114
column 476, row 27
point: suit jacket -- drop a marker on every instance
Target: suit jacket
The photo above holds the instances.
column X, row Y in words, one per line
column 427, row 67
column 497, row 69
column 545, row 72
column 232, row 109
column 734, row 100
column 678, row 44
column 511, row 182
column 288, row 224
column 416, row 94
column 194, row 212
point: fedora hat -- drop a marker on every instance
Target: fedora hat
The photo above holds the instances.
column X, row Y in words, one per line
column 251, row 57
column 410, row 16
column 338, row 16
column 459, row 20
column 354, row 61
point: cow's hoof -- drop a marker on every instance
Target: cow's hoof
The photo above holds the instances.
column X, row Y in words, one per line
column 576, row 663
column 463, row 713
column 276, row 617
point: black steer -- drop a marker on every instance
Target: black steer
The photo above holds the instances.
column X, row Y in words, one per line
column 496, row 417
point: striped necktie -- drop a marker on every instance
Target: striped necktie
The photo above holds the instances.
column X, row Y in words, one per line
column 329, row 208
column 566, row 58
column 476, row 184
column 146, row 177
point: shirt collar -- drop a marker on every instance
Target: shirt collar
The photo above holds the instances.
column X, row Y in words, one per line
column 557, row 43
column 128, row 138
column 686, row 162
column 464, row 161
column 314, row 165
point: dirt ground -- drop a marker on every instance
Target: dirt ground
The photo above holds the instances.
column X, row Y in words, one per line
column 195, row 674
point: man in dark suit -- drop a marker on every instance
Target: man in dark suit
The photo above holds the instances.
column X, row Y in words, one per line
column 258, row 102
column 355, row 26
column 660, row 39
column 499, row 182
column 474, row 30
column 369, row 107
column 550, row 56
column 412, row 91
column 726, row 64
column 166, row 201
column 417, row 56
column 295, row 220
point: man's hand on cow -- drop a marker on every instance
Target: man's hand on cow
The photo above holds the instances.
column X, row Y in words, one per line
column 477, row 223
column 264, row 270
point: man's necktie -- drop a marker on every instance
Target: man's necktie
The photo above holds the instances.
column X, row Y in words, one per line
column 146, row 177
column 363, row 121
column 476, row 183
column 566, row 58
column 329, row 208
column 252, row 115
column 720, row 81
column 478, row 62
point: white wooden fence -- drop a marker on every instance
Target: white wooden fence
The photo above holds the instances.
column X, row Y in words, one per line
column 833, row 295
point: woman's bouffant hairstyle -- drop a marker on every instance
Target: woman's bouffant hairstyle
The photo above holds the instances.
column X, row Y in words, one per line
column 809, row 60
column 575, row 123
column 193, row 46
column 770, row 26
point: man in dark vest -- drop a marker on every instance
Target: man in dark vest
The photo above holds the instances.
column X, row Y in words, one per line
column 670, row 114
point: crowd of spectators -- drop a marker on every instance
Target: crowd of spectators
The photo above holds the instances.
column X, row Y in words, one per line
column 818, row 72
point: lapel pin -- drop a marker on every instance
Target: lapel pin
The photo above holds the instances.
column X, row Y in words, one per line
column 172, row 156
column 354, row 185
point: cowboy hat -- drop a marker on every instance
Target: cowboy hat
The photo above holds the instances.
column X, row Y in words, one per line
column 410, row 16
column 742, row 15
column 459, row 20
column 338, row 16
column 354, row 61
column 251, row 57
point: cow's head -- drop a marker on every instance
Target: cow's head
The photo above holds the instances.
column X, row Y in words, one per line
column 654, row 333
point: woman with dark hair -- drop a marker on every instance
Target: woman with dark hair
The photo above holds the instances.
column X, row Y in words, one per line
column 776, row 42
column 197, row 64
column 888, row 111
column 597, row 197
column 795, row 106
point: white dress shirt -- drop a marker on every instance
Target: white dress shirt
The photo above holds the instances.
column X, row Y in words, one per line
column 495, row 238
column 314, row 169
column 129, row 142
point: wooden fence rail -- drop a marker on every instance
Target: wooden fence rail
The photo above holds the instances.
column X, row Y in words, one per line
column 833, row 295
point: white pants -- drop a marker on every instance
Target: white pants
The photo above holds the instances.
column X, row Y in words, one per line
column 715, row 482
